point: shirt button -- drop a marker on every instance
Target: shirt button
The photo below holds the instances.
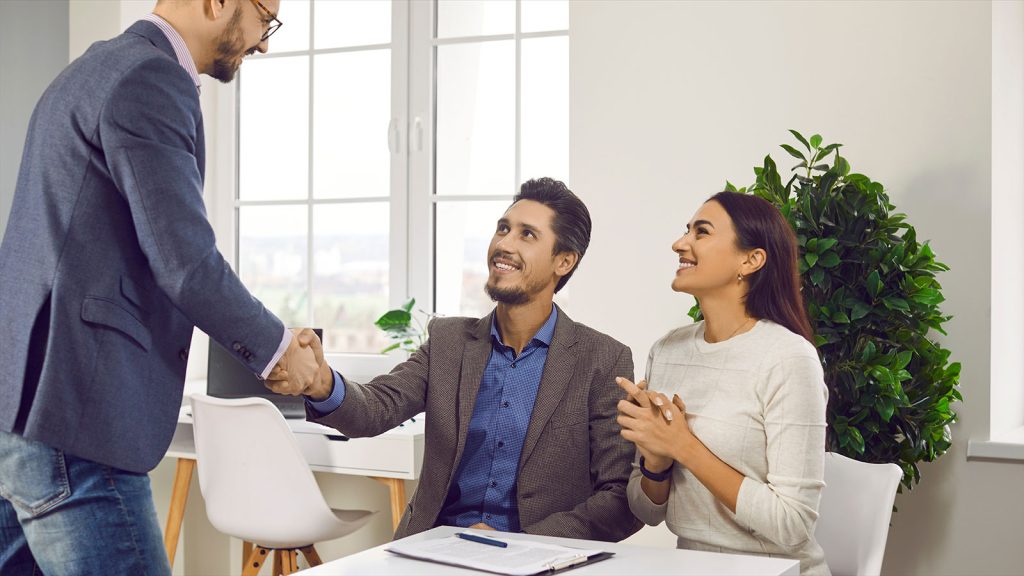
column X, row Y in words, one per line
column 501, row 444
column 494, row 484
column 505, row 404
column 513, row 364
column 487, row 516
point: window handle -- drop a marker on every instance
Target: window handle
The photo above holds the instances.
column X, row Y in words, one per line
column 417, row 134
column 394, row 138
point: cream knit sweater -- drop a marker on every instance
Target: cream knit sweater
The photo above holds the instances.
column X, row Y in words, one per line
column 757, row 401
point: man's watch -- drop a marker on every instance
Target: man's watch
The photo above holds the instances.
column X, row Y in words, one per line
column 656, row 476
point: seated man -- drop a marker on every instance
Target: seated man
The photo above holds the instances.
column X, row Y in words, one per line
column 520, row 405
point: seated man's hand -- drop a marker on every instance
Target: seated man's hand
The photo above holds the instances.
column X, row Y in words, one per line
column 481, row 526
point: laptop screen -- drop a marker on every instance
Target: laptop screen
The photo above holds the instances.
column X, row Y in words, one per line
column 228, row 378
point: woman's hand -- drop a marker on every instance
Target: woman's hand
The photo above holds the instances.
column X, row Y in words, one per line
column 656, row 425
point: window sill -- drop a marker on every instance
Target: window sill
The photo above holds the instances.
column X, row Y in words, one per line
column 1007, row 445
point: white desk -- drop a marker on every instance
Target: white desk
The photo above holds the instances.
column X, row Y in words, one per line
column 390, row 458
column 627, row 560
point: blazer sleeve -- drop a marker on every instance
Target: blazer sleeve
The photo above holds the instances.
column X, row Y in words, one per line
column 384, row 402
column 605, row 515
column 149, row 131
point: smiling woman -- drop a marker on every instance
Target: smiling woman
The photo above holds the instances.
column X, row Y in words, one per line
column 737, row 400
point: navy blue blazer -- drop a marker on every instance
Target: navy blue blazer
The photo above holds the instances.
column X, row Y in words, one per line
column 108, row 260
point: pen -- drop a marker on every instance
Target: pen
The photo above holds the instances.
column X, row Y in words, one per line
column 481, row 539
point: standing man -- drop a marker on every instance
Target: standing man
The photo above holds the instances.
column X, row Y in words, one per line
column 520, row 405
column 107, row 263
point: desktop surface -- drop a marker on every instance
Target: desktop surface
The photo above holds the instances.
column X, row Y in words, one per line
column 628, row 559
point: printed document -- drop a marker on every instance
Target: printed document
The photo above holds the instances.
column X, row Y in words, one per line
column 520, row 558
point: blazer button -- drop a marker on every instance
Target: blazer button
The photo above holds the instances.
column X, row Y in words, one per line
column 236, row 346
column 183, row 354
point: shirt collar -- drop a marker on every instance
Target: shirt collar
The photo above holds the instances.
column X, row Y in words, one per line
column 178, row 43
column 544, row 335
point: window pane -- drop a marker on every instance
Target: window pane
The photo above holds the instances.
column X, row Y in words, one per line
column 294, row 32
column 273, row 140
column 272, row 259
column 351, row 23
column 545, row 108
column 351, row 274
column 544, row 15
column 475, row 128
column 463, row 233
column 352, row 107
column 475, row 17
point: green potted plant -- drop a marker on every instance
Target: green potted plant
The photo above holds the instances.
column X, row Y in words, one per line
column 405, row 331
column 873, row 300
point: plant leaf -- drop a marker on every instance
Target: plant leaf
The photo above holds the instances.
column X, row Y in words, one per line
column 794, row 152
column 801, row 139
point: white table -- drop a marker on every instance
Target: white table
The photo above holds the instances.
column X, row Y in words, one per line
column 627, row 560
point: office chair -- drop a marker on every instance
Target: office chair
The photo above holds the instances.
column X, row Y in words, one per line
column 257, row 485
column 853, row 517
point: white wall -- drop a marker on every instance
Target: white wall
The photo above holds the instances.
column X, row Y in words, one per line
column 39, row 29
column 670, row 99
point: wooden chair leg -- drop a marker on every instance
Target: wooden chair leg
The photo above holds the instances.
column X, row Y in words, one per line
column 257, row 558
column 246, row 551
column 290, row 564
column 277, row 562
column 179, row 495
column 311, row 556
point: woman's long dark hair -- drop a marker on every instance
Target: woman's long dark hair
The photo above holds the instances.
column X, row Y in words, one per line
column 774, row 289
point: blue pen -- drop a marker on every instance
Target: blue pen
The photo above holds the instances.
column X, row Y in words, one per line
column 481, row 539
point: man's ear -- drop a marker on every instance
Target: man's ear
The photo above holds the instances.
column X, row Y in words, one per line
column 756, row 259
column 214, row 9
column 565, row 262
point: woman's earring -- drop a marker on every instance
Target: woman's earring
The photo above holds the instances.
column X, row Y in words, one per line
column 739, row 278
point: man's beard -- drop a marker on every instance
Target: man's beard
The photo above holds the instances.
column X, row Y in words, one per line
column 229, row 48
column 509, row 296
column 515, row 295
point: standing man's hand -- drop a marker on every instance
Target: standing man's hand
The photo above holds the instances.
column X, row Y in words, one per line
column 298, row 367
column 302, row 369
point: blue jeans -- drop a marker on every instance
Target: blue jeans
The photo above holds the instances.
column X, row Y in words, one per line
column 63, row 515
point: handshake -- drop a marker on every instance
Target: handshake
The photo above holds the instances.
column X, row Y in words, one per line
column 302, row 369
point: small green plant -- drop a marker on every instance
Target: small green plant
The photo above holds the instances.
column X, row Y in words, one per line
column 873, row 298
column 398, row 325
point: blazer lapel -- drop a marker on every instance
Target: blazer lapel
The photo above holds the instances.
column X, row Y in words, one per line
column 558, row 371
column 474, row 362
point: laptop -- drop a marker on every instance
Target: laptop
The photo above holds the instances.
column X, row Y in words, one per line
column 229, row 378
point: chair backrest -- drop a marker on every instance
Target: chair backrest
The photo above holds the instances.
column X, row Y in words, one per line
column 853, row 517
column 254, row 479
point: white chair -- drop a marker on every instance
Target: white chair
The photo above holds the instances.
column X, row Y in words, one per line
column 853, row 517
column 257, row 485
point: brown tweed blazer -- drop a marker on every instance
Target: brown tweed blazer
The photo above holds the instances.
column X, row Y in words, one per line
column 574, row 465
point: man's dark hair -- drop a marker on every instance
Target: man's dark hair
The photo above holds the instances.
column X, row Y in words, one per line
column 572, row 219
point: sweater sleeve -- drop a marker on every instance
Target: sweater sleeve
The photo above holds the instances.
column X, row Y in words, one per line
column 784, row 509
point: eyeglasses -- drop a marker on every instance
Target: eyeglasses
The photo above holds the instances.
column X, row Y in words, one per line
column 271, row 20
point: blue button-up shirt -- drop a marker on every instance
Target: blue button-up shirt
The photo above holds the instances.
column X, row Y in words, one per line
column 484, row 489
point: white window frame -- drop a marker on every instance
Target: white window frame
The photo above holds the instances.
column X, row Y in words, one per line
column 411, row 136
column 423, row 198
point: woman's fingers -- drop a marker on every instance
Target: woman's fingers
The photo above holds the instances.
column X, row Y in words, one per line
column 662, row 402
column 633, row 392
column 679, row 403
